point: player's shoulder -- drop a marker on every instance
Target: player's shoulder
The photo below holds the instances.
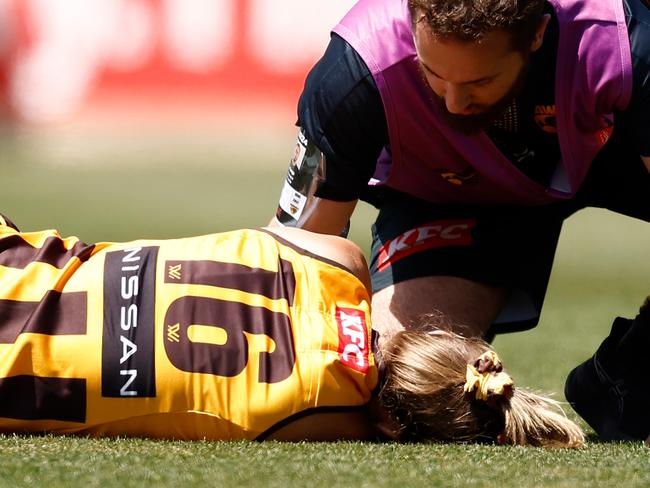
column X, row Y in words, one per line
column 335, row 250
column 321, row 245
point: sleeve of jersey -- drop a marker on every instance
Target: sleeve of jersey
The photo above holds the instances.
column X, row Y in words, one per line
column 341, row 112
column 641, row 119
column 640, row 101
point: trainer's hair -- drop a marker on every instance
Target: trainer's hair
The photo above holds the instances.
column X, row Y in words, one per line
column 470, row 20
column 424, row 399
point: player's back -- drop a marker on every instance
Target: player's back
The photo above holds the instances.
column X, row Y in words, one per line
column 221, row 336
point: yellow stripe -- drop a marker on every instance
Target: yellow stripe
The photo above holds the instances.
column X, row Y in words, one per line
column 51, row 356
column 30, row 283
column 37, row 239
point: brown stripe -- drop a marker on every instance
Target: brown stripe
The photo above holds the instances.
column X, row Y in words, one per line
column 38, row 398
column 271, row 284
column 56, row 314
column 15, row 252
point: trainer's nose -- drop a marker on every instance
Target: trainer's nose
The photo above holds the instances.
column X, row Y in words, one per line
column 457, row 99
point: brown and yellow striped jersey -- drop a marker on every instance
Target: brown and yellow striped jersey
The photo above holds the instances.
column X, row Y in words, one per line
column 224, row 336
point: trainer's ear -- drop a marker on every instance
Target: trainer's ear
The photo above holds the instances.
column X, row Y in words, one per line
column 538, row 38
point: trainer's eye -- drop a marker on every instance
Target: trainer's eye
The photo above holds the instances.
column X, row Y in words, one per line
column 483, row 82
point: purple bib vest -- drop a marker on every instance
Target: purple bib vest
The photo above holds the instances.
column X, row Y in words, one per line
column 430, row 160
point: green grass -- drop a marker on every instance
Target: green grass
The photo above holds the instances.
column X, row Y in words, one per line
column 145, row 192
column 119, row 193
column 60, row 462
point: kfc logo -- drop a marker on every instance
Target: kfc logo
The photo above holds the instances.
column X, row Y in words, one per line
column 353, row 338
column 545, row 118
column 603, row 135
column 442, row 233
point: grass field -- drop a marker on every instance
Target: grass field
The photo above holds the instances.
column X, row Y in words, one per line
column 120, row 190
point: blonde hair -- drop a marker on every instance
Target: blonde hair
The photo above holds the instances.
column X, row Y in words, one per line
column 424, row 398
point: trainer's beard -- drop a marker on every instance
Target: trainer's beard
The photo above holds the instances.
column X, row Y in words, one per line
column 475, row 123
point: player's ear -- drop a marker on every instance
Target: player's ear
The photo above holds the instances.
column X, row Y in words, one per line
column 384, row 423
column 388, row 429
column 538, row 38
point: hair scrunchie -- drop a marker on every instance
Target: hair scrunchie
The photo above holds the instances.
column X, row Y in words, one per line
column 486, row 379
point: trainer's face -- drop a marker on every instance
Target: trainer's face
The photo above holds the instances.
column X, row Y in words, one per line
column 474, row 80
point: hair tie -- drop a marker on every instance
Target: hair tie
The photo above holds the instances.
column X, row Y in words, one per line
column 486, row 378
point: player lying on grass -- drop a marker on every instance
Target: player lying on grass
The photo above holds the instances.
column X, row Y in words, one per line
column 248, row 334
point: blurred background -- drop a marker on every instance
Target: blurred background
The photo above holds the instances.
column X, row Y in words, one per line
column 122, row 119
column 182, row 111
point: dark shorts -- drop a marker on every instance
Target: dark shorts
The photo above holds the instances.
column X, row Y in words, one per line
column 506, row 246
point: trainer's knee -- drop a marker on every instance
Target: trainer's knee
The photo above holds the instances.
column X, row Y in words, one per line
column 465, row 306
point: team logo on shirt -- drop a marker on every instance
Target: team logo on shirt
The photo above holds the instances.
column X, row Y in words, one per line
column 545, row 118
column 603, row 135
column 174, row 271
column 441, row 233
column 353, row 338
column 457, row 179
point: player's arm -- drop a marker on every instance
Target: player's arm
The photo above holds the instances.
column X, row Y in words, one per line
column 342, row 132
column 325, row 427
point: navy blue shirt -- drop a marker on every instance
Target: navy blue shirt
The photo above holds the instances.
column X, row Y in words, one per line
column 341, row 111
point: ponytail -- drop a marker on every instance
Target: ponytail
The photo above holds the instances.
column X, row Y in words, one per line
column 444, row 387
